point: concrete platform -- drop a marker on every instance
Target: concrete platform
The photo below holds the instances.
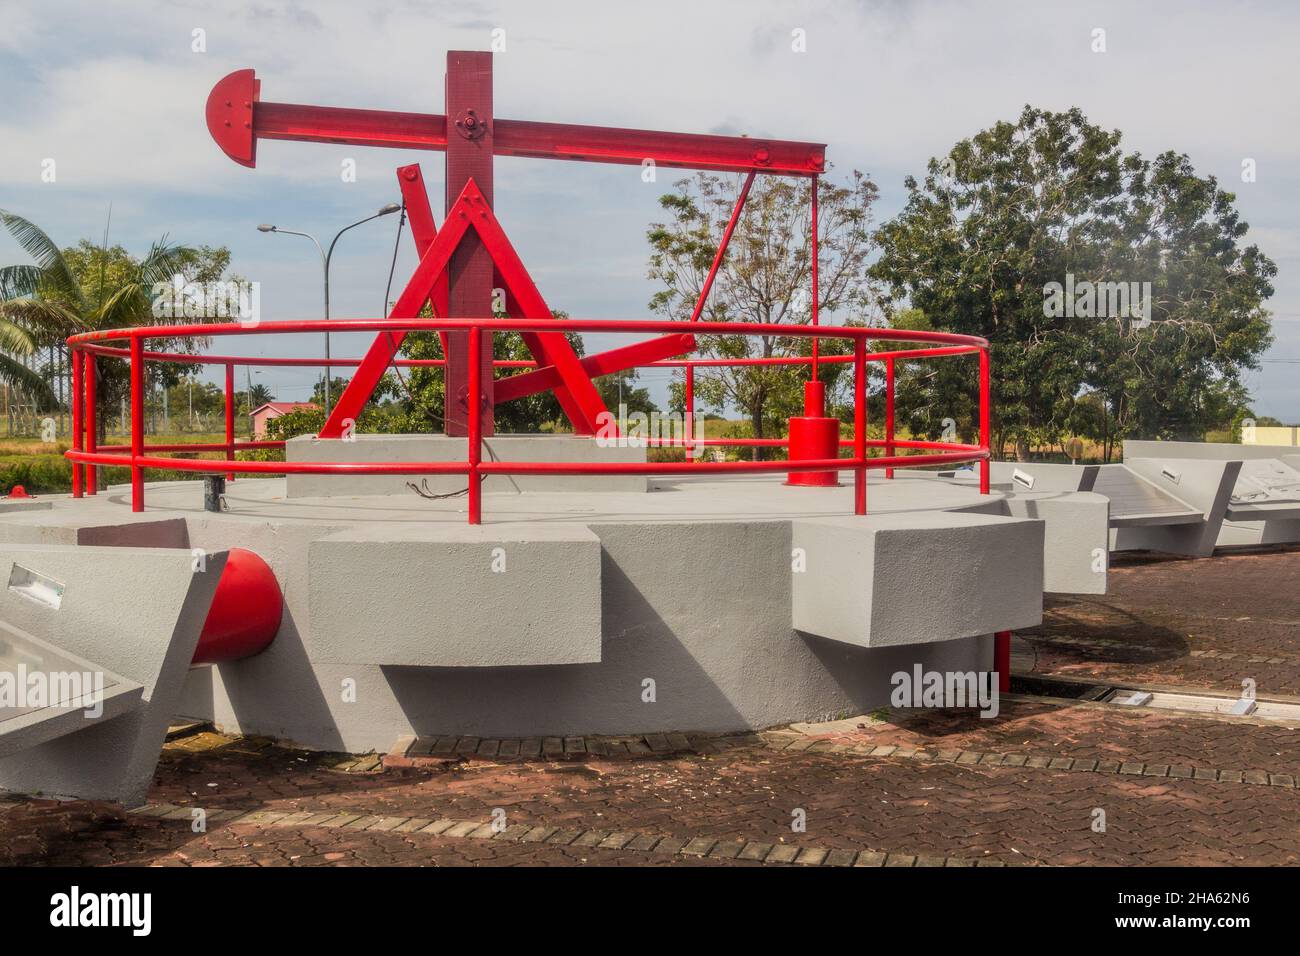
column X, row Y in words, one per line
column 664, row 609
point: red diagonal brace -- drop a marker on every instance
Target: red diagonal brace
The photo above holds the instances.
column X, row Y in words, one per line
column 576, row 393
column 602, row 363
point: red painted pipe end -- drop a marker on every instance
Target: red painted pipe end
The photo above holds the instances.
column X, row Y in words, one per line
column 245, row 612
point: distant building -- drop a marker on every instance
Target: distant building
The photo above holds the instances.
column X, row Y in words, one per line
column 272, row 410
column 1271, row 435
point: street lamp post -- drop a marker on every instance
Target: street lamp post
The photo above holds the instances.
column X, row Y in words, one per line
column 325, row 256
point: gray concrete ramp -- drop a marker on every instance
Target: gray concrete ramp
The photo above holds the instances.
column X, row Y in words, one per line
column 130, row 615
column 46, row 693
column 1188, row 486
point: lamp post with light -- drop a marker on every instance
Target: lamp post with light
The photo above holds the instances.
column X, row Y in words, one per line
column 325, row 256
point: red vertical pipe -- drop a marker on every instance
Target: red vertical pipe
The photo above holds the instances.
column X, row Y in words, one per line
column 1002, row 660
column 137, row 421
column 470, row 131
column 984, row 419
column 816, row 348
column 230, row 416
column 889, row 413
column 90, row 417
column 860, row 425
column 475, row 422
column 76, row 420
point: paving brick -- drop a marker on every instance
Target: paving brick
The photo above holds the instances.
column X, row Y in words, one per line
column 811, row 856
column 870, row 858
column 644, row 842
column 727, row 849
column 438, row 827
column 670, row 845
column 699, row 846
column 755, row 851
column 616, row 841
column 590, row 838
column 538, row 834
column 782, row 853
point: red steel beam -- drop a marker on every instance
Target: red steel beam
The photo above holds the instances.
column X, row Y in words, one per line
column 602, row 363
column 237, row 119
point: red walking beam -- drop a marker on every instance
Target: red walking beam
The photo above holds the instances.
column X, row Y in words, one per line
column 237, row 119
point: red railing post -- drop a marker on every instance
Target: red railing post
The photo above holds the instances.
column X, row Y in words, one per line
column 984, row 420
column 230, row 416
column 860, row 425
column 91, row 419
column 889, row 413
column 475, row 426
column 76, row 419
column 815, row 305
column 1002, row 660
column 137, row 422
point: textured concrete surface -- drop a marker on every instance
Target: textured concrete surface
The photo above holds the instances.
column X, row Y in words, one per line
column 404, row 448
column 137, row 613
column 67, row 695
column 456, row 595
column 908, row 579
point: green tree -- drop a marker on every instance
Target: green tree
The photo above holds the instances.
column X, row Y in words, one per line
column 766, row 278
column 1050, row 198
column 88, row 287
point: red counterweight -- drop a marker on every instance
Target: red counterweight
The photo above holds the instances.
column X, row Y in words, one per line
column 245, row 612
column 814, row 437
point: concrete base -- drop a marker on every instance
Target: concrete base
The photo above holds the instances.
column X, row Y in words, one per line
column 136, row 612
column 396, row 624
column 404, row 448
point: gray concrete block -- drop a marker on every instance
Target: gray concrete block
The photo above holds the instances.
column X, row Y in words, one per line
column 137, row 612
column 918, row 578
column 457, row 596
column 437, row 448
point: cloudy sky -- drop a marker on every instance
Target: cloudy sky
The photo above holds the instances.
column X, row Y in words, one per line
column 114, row 93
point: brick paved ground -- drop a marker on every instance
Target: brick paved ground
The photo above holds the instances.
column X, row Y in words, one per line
column 932, row 788
column 1208, row 622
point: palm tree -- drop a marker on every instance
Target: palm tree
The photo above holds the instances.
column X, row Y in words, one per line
column 43, row 302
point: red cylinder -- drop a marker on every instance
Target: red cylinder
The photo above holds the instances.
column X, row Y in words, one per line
column 245, row 612
column 814, row 436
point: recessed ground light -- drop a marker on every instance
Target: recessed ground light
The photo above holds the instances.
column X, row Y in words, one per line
column 1022, row 478
column 1172, row 475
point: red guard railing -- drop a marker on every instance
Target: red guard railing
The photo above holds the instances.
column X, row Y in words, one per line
column 89, row 347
